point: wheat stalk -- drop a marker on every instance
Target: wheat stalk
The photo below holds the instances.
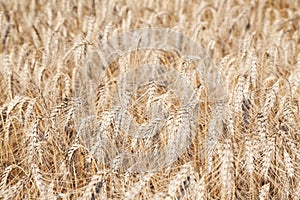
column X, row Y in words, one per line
column 136, row 189
column 226, row 157
column 268, row 156
column 86, row 113
column 288, row 164
column 13, row 191
column 181, row 181
column 264, row 190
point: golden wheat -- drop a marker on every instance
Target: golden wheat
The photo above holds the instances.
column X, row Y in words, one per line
column 82, row 122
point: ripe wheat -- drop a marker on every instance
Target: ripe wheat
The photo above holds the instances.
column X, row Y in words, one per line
column 150, row 116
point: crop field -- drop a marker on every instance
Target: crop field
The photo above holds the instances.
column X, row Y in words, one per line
column 148, row 99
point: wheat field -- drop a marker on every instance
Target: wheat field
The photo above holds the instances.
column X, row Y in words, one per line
column 71, row 128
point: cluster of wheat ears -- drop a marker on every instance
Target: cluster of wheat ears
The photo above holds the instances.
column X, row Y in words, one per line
column 68, row 125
